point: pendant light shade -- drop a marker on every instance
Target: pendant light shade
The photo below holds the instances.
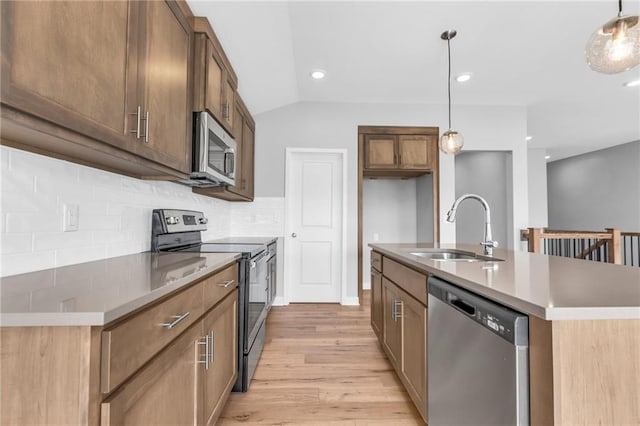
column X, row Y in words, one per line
column 615, row 47
column 451, row 142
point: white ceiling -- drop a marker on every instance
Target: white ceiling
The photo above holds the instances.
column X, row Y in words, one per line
column 520, row 53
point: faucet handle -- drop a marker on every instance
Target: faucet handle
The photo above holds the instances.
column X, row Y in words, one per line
column 492, row 244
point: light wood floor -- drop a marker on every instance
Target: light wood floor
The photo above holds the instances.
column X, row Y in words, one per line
column 322, row 365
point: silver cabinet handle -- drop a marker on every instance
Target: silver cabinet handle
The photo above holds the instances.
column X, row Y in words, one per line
column 138, row 118
column 226, row 284
column 146, row 127
column 206, row 351
column 212, row 352
column 293, row 234
column 397, row 313
column 176, row 320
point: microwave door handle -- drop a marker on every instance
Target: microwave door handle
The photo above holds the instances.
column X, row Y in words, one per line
column 230, row 164
column 203, row 145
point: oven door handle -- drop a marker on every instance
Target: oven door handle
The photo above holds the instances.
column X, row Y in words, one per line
column 258, row 258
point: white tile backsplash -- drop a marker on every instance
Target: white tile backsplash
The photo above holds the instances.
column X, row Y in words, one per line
column 263, row 217
column 115, row 212
column 17, row 263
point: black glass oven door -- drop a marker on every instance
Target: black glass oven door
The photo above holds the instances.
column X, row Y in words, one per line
column 257, row 299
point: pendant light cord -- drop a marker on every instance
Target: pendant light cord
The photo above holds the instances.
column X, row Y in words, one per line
column 619, row 7
column 449, row 78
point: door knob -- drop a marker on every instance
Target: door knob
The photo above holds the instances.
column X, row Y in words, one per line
column 293, row 234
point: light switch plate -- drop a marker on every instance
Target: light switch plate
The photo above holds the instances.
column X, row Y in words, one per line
column 71, row 214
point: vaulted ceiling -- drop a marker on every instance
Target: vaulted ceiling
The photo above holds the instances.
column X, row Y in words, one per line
column 519, row 53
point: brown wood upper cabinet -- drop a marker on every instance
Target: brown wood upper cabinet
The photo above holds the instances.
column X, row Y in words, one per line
column 413, row 153
column 117, row 73
column 215, row 82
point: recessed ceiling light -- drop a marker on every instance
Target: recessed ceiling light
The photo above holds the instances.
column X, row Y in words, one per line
column 318, row 74
column 528, row 138
column 546, row 157
column 463, row 77
column 632, row 83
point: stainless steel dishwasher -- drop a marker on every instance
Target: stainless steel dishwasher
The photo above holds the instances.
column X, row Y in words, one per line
column 478, row 360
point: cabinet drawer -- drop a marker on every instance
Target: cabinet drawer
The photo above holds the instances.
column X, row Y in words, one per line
column 376, row 261
column 132, row 342
column 407, row 279
column 219, row 285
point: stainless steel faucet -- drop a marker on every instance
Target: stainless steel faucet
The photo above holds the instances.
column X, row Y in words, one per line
column 488, row 243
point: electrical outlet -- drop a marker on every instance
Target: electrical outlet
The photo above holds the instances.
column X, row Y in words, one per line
column 71, row 214
column 376, row 236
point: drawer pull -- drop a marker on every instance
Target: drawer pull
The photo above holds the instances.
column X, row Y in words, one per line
column 176, row 321
column 226, row 284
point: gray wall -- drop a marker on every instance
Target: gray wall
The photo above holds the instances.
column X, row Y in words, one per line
column 538, row 205
column 388, row 214
column 424, row 206
column 597, row 190
column 488, row 174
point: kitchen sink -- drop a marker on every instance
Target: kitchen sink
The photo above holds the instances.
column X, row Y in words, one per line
column 443, row 255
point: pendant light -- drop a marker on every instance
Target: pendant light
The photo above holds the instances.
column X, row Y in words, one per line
column 451, row 141
column 615, row 47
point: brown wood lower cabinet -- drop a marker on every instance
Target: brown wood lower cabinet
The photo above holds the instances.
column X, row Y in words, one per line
column 376, row 302
column 392, row 323
column 413, row 368
column 403, row 326
column 219, row 375
column 52, row 375
column 164, row 392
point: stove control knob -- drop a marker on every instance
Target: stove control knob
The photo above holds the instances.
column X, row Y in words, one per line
column 173, row 220
column 203, row 220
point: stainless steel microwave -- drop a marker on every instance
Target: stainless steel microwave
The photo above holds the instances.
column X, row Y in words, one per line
column 213, row 155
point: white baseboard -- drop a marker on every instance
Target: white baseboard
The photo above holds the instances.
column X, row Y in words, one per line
column 279, row 301
column 350, row 301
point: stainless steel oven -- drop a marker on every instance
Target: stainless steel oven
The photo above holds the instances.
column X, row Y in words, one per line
column 179, row 230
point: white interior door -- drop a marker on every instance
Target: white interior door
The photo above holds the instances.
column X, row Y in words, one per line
column 314, row 240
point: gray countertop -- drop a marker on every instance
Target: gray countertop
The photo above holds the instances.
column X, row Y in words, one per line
column 99, row 292
column 549, row 287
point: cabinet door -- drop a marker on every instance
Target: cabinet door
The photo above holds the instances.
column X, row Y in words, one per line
column 238, row 125
column 164, row 84
column 163, row 392
column 391, row 322
column 376, row 302
column 248, row 164
column 380, row 152
column 220, row 376
column 67, row 62
column 228, row 102
column 414, row 350
column 414, row 151
column 213, row 96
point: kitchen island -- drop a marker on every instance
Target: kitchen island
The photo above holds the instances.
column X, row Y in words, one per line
column 584, row 324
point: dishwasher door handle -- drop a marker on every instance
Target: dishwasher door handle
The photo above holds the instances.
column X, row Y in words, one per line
column 461, row 305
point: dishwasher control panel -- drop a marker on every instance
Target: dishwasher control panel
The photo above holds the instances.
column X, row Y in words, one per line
column 495, row 323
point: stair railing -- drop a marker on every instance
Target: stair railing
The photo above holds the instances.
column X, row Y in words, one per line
column 612, row 245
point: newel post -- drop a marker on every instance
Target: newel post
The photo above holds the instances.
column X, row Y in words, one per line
column 615, row 246
column 534, row 240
